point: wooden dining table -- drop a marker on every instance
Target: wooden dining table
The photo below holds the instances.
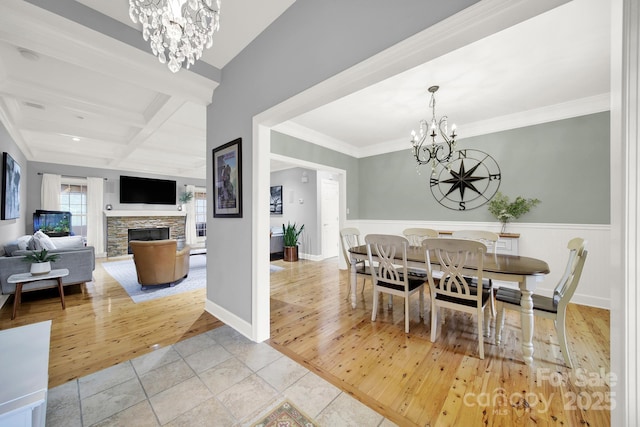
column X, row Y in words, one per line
column 525, row 271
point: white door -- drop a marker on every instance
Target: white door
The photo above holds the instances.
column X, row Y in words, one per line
column 329, row 217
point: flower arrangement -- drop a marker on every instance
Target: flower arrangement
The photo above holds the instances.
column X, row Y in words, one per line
column 505, row 211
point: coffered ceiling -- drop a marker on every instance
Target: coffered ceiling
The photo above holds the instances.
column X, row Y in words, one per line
column 70, row 94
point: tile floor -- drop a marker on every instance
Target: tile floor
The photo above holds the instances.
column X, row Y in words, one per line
column 218, row 378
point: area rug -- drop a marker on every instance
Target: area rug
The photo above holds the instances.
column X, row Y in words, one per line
column 285, row 415
column 125, row 273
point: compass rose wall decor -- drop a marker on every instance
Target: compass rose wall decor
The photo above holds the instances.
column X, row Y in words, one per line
column 469, row 181
column 460, row 179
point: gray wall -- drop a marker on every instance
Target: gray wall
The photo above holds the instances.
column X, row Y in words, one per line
column 293, row 54
column 293, row 210
column 111, row 186
column 293, row 147
column 12, row 228
column 564, row 163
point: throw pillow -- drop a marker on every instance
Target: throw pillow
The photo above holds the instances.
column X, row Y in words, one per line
column 68, row 242
column 43, row 241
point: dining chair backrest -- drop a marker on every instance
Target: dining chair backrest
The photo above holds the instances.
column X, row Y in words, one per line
column 389, row 269
column 568, row 283
column 349, row 238
column 452, row 255
column 489, row 238
column 415, row 236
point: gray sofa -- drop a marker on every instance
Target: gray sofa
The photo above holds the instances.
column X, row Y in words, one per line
column 79, row 260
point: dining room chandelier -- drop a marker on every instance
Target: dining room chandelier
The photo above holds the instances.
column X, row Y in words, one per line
column 433, row 152
column 178, row 30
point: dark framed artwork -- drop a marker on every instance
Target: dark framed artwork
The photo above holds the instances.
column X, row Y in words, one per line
column 227, row 180
column 276, row 200
column 10, row 188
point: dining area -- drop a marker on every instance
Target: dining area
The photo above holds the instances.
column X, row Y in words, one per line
column 449, row 267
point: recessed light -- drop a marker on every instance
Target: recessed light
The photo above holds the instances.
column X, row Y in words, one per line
column 75, row 138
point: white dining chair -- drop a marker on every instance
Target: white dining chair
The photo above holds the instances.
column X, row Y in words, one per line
column 554, row 307
column 415, row 236
column 452, row 289
column 490, row 239
column 389, row 272
column 350, row 238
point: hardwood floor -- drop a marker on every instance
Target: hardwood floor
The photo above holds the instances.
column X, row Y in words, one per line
column 405, row 377
column 412, row 381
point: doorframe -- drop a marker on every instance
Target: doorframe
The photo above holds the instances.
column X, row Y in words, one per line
column 322, row 202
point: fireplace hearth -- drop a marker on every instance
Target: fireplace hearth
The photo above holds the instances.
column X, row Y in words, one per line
column 120, row 222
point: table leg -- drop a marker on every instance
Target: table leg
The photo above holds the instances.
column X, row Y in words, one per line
column 16, row 299
column 61, row 292
column 354, row 283
column 526, row 315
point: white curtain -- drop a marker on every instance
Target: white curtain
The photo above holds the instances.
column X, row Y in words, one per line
column 50, row 192
column 190, row 223
column 95, row 221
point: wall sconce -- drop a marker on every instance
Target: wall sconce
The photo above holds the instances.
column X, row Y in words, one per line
column 109, row 207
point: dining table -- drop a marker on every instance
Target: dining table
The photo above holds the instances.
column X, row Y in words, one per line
column 525, row 271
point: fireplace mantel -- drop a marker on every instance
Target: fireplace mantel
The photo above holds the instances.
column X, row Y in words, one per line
column 144, row 213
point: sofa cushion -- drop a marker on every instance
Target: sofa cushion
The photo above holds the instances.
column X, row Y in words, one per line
column 68, row 242
column 20, row 244
column 43, row 241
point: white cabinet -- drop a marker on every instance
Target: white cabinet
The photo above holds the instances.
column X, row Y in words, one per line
column 24, row 376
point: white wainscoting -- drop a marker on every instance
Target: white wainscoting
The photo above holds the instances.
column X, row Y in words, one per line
column 544, row 241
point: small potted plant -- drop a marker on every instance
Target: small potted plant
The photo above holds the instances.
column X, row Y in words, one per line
column 505, row 211
column 185, row 198
column 40, row 261
column 290, row 237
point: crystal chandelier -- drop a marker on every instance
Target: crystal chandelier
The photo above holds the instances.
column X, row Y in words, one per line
column 433, row 153
column 178, row 30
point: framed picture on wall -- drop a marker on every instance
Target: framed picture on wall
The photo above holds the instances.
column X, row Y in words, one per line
column 10, row 188
column 227, row 180
column 276, row 200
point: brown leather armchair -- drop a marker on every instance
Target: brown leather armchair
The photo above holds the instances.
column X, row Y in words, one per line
column 158, row 262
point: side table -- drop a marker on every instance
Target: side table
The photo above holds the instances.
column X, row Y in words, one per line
column 27, row 279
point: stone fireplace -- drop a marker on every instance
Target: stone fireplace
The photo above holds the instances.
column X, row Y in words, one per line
column 120, row 222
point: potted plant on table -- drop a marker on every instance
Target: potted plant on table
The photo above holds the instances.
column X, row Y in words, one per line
column 40, row 261
column 505, row 211
column 291, row 235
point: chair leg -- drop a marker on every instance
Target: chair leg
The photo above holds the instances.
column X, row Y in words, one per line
column 481, row 333
column 375, row 304
column 499, row 323
column 434, row 320
column 487, row 322
column 562, row 338
column 406, row 314
column 422, row 303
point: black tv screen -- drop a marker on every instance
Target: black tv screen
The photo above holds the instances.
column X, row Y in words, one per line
column 147, row 190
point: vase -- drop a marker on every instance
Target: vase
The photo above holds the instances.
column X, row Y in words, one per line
column 504, row 228
column 39, row 268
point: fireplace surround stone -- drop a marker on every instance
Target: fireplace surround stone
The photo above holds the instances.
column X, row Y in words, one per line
column 119, row 223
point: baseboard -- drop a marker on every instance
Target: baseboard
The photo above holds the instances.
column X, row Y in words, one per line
column 229, row 318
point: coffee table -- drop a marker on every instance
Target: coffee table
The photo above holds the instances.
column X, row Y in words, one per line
column 31, row 282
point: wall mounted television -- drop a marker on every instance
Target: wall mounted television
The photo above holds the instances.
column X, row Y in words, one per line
column 147, row 190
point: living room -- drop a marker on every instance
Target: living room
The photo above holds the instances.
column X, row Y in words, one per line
column 242, row 229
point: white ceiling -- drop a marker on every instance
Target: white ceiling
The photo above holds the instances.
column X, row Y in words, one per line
column 131, row 113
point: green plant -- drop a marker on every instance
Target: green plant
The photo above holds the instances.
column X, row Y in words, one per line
column 291, row 234
column 186, row 197
column 504, row 210
column 41, row 256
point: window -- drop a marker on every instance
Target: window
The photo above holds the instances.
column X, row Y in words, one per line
column 73, row 198
column 200, row 199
